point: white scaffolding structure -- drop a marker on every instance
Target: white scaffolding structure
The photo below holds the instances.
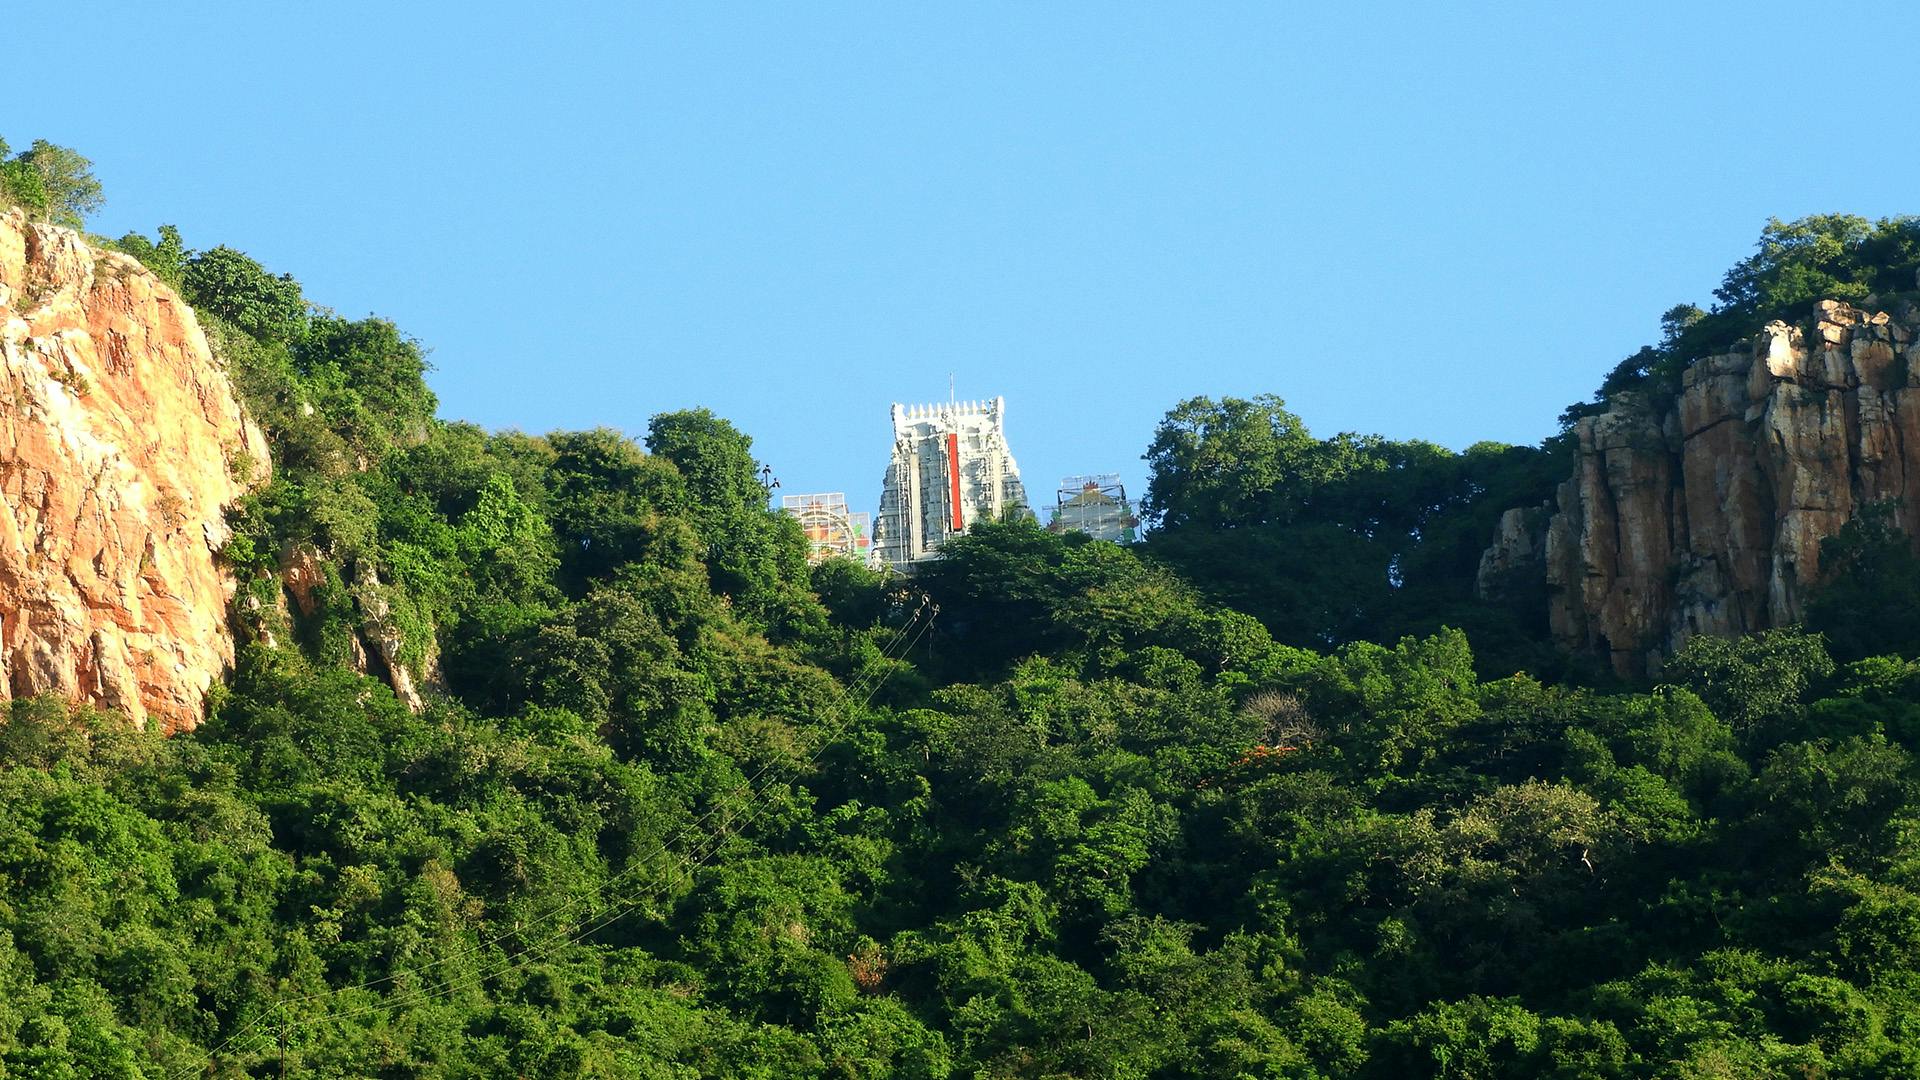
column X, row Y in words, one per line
column 1096, row 505
column 833, row 532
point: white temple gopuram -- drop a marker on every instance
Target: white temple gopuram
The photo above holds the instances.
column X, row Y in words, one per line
column 950, row 468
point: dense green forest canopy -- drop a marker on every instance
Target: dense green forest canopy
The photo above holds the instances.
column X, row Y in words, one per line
column 1348, row 538
column 1244, row 800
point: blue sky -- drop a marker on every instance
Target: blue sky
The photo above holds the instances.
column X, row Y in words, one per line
column 1429, row 221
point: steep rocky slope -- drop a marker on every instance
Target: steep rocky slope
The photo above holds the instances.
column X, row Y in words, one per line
column 121, row 445
column 1703, row 513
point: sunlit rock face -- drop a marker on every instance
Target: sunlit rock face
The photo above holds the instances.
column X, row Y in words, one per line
column 121, row 445
column 1703, row 513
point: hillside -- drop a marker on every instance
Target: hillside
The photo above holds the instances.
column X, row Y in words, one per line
column 551, row 756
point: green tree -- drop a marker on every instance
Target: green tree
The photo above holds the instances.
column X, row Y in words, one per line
column 756, row 556
column 714, row 458
column 236, row 288
column 1824, row 256
column 1794, row 265
column 1869, row 601
column 1237, row 462
column 166, row 257
column 367, row 376
column 67, row 178
column 611, row 505
column 52, row 182
column 1754, row 680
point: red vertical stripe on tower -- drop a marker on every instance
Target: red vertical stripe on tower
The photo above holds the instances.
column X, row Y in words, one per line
column 953, row 477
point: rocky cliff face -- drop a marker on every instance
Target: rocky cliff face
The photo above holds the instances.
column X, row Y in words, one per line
column 121, row 445
column 1704, row 513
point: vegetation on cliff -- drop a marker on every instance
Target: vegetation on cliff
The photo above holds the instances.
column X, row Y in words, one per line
column 1795, row 264
column 53, row 183
column 1233, row 802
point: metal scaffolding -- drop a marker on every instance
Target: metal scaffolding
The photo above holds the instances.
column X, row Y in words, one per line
column 1096, row 505
column 832, row 530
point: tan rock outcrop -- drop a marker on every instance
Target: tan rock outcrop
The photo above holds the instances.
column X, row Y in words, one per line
column 383, row 638
column 1517, row 552
column 120, row 445
column 1703, row 513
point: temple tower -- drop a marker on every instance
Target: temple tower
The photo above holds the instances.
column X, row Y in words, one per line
column 950, row 468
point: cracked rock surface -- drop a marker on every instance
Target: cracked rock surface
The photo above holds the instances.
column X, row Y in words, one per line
column 1702, row 513
column 120, row 440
